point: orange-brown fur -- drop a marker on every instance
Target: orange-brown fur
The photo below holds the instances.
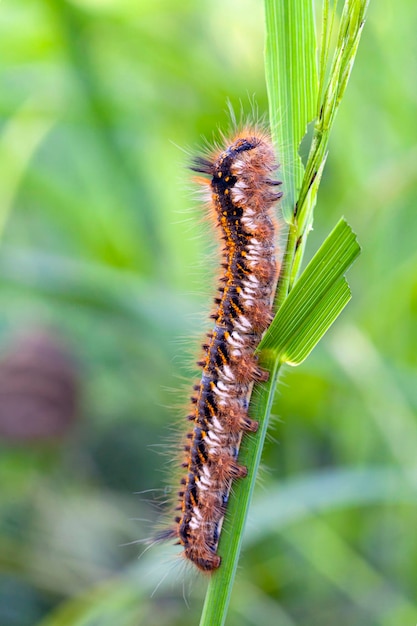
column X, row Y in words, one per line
column 242, row 198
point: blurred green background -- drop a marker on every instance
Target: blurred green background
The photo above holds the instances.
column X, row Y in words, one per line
column 105, row 271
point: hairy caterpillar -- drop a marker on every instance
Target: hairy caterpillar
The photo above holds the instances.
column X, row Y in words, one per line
column 241, row 194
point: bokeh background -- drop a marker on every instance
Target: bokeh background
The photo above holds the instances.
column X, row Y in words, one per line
column 105, row 272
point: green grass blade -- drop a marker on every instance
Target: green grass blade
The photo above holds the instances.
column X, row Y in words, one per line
column 305, row 223
column 316, row 299
column 19, row 140
column 291, row 76
column 317, row 324
column 326, row 32
column 330, row 96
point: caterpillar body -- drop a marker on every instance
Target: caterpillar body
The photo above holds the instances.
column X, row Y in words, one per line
column 242, row 193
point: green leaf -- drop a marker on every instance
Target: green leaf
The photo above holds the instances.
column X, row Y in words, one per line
column 317, row 323
column 332, row 85
column 291, row 73
column 316, row 300
column 305, row 223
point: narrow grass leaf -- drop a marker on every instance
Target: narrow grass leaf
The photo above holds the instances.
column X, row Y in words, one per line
column 332, row 84
column 330, row 95
column 291, row 77
column 316, row 299
column 317, row 323
column 305, row 223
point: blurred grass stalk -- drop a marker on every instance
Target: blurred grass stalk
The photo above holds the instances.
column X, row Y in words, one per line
column 19, row 139
column 299, row 92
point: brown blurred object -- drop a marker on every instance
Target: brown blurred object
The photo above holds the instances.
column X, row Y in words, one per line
column 39, row 388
